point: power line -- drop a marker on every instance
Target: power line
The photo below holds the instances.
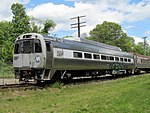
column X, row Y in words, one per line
column 78, row 24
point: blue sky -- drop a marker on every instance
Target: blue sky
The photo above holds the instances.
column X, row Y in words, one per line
column 33, row 3
column 132, row 15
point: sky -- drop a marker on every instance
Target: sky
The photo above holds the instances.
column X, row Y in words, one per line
column 132, row 15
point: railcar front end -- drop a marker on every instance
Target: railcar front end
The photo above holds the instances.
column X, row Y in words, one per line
column 29, row 58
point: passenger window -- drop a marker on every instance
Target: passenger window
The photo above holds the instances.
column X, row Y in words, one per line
column 48, row 48
column 16, row 50
column 116, row 58
column 129, row 60
column 87, row 55
column 95, row 56
column 38, row 48
column 125, row 59
column 141, row 60
column 111, row 58
column 103, row 57
column 107, row 57
column 77, row 54
column 121, row 59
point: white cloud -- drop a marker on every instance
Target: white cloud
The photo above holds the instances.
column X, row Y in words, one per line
column 137, row 39
column 140, row 39
column 130, row 27
column 148, row 32
column 5, row 8
column 58, row 13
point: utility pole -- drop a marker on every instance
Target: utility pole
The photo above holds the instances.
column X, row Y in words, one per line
column 78, row 24
column 145, row 45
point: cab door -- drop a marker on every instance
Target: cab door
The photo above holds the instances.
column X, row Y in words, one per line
column 49, row 55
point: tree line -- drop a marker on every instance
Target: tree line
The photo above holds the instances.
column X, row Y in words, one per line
column 108, row 32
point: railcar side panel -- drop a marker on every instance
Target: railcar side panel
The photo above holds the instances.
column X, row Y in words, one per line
column 65, row 60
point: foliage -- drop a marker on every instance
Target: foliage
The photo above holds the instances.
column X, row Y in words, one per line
column 48, row 26
column 68, row 37
column 56, row 85
column 6, row 43
column 111, row 33
column 43, row 27
column 139, row 49
column 6, row 70
column 20, row 20
column 106, row 31
column 127, row 95
column 35, row 24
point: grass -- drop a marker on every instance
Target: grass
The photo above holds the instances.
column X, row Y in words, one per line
column 6, row 71
column 127, row 95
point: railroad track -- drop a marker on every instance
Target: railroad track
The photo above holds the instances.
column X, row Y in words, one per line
column 19, row 87
column 75, row 81
column 84, row 80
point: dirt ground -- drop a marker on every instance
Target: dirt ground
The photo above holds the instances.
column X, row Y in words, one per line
column 8, row 81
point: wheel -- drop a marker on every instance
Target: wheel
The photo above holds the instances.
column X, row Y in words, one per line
column 129, row 72
column 136, row 71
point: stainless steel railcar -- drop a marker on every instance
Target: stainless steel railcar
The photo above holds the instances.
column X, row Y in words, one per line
column 40, row 57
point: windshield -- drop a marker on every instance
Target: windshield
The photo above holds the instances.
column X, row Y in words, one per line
column 28, row 46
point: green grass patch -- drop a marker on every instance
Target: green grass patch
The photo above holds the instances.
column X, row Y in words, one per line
column 6, row 71
column 127, row 95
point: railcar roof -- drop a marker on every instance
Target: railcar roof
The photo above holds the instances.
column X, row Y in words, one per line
column 76, row 40
column 81, row 40
column 76, row 44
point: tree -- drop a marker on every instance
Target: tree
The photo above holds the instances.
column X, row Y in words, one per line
column 6, row 41
column 84, row 35
column 48, row 26
column 20, row 20
column 37, row 24
column 139, row 49
column 111, row 33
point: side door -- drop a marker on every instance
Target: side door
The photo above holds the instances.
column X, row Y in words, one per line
column 49, row 54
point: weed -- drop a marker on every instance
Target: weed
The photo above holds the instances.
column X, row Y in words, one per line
column 56, row 85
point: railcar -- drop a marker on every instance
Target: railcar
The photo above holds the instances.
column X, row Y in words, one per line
column 39, row 57
column 142, row 63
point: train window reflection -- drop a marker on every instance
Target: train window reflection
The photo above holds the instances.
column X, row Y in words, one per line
column 111, row 58
column 77, row 54
column 129, row 60
column 95, row 56
column 125, row 59
column 48, row 46
column 38, row 48
column 121, row 59
column 16, row 50
column 87, row 55
column 103, row 57
column 116, row 58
